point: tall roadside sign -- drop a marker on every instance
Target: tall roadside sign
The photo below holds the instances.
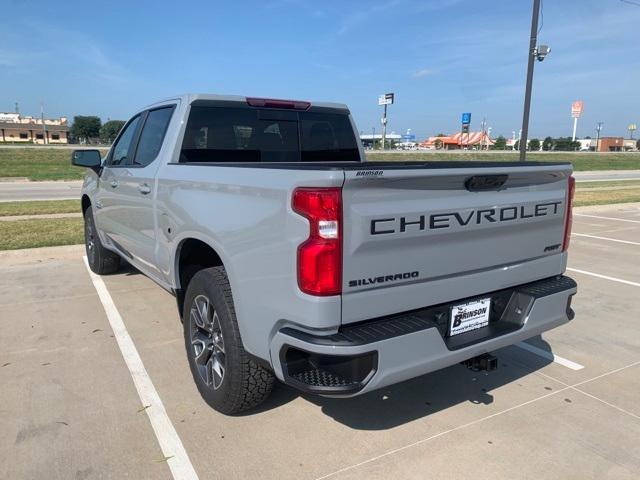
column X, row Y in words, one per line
column 576, row 111
column 386, row 99
column 466, row 121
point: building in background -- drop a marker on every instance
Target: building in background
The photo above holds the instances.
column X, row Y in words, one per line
column 611, row 144
column 368, row 139
column 586, row 144
column 630, row 145
column 458, row 141
column 15, row 128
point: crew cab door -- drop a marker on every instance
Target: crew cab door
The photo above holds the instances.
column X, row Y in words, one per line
column 130, row 211
column 110, row 204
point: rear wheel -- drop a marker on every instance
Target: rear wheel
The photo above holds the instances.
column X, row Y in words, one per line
column 226, row 377
column 101, row 260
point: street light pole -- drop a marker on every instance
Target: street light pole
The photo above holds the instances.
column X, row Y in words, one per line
column 530, row 64
column 384, row 127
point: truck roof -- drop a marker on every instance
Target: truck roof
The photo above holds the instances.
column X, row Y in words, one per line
column 192, row 97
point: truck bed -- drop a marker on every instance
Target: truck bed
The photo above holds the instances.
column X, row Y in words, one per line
column 386, row 165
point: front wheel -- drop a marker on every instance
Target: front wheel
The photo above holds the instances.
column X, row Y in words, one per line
column 101, row 260
column 226, row 377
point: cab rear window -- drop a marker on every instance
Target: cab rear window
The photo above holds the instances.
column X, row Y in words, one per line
column 224, row 134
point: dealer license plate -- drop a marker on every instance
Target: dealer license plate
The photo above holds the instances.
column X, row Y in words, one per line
column 469, row 316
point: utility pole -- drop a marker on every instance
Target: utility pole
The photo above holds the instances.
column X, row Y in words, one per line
column 598, row 128
column 533, row 41
column 44, row 128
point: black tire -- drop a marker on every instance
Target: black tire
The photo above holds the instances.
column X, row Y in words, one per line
column 226, row 377
column 101, row 260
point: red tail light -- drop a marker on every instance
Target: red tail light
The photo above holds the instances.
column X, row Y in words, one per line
column 571, row 188
column 320, row 256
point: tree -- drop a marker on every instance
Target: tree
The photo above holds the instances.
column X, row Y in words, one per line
column 85, row 129
column 441, row 135
column 516, row 146
column 565, row 144
column 109, row 131
column 547, row 144
column 500, row 143
column 638, row 144
column 534, row 144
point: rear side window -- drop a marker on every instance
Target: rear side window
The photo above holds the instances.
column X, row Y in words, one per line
column 222, row 134
column 152, row 135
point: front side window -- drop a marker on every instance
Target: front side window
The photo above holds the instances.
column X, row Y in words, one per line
column 124, row 144
column 222, row 134
column 152, row 135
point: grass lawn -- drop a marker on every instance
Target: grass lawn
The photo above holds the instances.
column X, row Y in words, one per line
column 39, row 207
column 55, row 164
column 594, row 193
column 582, row 161
column 39, row 164
column 40, row 233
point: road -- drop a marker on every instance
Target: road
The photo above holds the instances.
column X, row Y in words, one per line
column 565, row 406
column 607, row 175
column 21, row 191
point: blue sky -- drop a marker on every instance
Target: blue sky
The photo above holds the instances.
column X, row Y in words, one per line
column 439, row 57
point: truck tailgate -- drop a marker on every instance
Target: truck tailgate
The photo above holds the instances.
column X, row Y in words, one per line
column 424, row 236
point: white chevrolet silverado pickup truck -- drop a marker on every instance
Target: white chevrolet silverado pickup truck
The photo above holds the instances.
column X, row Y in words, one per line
column 291, row 257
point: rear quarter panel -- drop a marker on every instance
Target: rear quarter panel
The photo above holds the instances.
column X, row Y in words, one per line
column 245, row 215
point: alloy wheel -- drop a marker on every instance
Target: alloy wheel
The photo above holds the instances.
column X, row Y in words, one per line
column 207, row 343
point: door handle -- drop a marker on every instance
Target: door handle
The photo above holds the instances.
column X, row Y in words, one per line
column 144, row 188
column 114, row 183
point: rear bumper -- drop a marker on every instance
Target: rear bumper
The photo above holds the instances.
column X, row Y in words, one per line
column 373, row 354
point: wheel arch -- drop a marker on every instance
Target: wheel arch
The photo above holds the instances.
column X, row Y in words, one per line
column 192, row 255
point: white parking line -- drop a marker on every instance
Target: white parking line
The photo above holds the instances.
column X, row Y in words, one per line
column 170, row 443
column 605, row 277
column 549, row 356
column 606, row 218
column 605, row 238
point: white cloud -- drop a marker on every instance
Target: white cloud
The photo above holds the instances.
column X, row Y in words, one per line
column 423, row 72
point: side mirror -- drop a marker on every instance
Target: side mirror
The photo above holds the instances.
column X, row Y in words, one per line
column 87, row 158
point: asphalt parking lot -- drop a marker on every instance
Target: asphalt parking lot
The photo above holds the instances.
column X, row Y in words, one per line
column 73, row 404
